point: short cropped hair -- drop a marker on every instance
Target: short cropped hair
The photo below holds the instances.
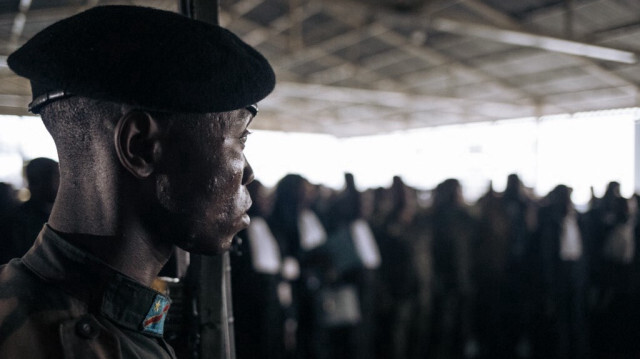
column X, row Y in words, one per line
column 77, row 123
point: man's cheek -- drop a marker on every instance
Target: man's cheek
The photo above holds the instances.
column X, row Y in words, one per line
column 238, row 166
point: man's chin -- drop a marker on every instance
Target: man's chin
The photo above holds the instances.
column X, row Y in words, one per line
column 208, row 246
column 225, row 244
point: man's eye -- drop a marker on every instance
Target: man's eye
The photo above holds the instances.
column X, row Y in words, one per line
column 244, row 137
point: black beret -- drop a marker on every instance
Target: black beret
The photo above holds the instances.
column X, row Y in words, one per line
column 144, row 57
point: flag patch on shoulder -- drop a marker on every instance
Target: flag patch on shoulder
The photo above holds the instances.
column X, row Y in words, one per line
column 154, row 321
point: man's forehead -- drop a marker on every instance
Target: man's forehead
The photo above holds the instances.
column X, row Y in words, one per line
column 228, row 120
column 242, row 114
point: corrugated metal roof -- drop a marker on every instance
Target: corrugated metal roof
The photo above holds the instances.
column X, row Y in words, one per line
column 349, row 67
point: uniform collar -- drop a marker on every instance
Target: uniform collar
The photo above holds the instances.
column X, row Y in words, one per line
column 105, row 290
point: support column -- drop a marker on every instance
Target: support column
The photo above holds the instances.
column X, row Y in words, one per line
column 636, row 158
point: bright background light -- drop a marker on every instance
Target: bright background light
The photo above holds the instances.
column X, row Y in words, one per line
column 582, row 151
column 21, row 139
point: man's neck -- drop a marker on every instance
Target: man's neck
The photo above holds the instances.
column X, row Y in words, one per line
column 102, row 219
column 118, row 252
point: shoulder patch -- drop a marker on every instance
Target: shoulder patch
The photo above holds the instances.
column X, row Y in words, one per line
column 154, row 321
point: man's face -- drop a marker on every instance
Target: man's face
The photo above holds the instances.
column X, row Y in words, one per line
column 201, row 186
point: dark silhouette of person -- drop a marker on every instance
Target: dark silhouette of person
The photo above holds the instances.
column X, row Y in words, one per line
column 403, row 296
column 611, row 228
column 453, row 234
column 43, row 178
column 612, row 242
column 151, row 157
column 353, row 258
column 491, row 255
column 521, row 209
column 503, row 270
column 632, row 315
column 299, row 233
column 256, row 274
column 561, row 331
column 8, row 205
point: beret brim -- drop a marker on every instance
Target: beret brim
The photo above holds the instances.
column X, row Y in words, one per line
column 145, row 57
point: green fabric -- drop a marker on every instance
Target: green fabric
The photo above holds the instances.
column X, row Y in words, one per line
column 61, row 302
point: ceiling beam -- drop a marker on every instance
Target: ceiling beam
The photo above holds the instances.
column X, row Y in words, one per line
column 316, row 51
column 497, row 17
column 429, row 55
column 591, row 67
column 579, row 96
column 439, row 59
column 335, row 73
column 527, row 39
column 619, row 30
column 338, row 69
column 14, row 111
column 391, row 99
column 243, row 7
column 261, row 34
column 384, row 59
column 14, row 101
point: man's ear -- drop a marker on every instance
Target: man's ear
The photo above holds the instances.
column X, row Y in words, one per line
column 136, row 138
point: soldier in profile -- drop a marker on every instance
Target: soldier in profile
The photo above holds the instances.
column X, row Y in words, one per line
column 149, row 112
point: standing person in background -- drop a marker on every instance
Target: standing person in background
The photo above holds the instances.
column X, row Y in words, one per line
column 256, row 274
column 453, row 230
column 8, row 205
column 352, row 258
column 633, row 315
column 612, row 226
column 521, row 213
column 151, row 151
column 403, row 297
column 491, row 253
column 43, row 178
column 562, row 331
column 503, row 275
column 299, row 233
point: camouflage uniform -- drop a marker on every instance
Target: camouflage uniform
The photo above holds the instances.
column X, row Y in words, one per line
column 61, row 302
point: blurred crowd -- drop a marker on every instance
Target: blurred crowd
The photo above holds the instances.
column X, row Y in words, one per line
column 21, row 221
column 405, row 273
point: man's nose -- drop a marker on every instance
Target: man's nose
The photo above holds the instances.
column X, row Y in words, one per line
column 247, row 174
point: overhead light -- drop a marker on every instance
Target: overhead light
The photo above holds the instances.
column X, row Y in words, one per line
column 520, row 38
